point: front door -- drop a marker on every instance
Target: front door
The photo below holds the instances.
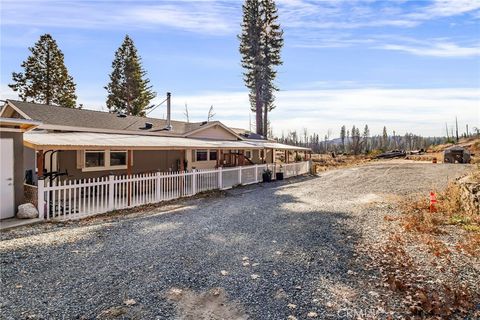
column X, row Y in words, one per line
column 7, row 203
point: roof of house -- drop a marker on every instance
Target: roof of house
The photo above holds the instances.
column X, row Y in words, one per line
column 43, row 139
column 21, row 124
column 83, row 127
column 73, row 117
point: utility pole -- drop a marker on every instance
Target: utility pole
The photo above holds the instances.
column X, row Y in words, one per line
column 446, row 129
column 456, row 127
column 467, row 131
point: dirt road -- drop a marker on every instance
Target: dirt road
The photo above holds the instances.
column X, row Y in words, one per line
column 268, row 251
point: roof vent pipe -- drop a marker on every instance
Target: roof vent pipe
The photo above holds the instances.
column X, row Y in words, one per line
column 169, row 124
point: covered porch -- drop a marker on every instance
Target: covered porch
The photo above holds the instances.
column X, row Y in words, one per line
column 85, row 155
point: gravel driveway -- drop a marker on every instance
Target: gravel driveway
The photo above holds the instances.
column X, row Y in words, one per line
column 268, row 251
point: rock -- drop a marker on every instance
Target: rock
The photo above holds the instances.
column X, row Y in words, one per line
column 27, row 211
column 129, row 302
column 280, row 294
column 312, row 314
column 470, row 193
column 254, row 276
column 292, row 306
column 224, row 272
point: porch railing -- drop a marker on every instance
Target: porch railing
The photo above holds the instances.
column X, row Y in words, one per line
column 74, row 199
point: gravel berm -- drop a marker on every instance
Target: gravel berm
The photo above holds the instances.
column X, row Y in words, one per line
column 268, row 251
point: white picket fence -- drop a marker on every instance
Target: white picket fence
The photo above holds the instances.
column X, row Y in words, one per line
column 72, row 199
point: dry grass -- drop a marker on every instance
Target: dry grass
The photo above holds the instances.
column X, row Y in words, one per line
column 420, row 295
column 449, row 210
column 323, row 162
column 437, row 237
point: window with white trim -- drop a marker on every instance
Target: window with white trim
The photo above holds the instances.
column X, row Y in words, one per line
column 118, row 158
column 201, row 155
column 248, row 154
column 213, row 155
column 94, row 159
column 98, row 160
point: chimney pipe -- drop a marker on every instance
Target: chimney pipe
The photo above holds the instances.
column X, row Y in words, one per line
column 169, row 125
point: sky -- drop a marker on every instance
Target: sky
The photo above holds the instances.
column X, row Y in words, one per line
column 412, row 66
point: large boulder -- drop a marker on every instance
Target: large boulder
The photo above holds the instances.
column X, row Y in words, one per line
column 27, row 211
column 470, row 193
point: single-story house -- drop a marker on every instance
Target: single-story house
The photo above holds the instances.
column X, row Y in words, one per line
column 80, row 143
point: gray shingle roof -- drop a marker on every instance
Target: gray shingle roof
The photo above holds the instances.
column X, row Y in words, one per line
column 62, row 116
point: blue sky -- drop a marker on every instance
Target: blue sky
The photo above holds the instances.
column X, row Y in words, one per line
column 409, row 65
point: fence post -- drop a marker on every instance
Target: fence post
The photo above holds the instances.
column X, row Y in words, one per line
column 239, row 175
column 194, row 181
column 111, row 192
column 220, row 178
column 256, row 173
column 41, row 198
column 157, row 187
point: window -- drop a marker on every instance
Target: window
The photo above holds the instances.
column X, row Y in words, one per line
column 118, row 158
column 248, row 154
column 201, row 155
column 213, row 155
column 94, row 159
column 104, row 160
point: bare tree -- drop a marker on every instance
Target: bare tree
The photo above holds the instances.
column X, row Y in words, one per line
column 210, row 114
column 186, row 113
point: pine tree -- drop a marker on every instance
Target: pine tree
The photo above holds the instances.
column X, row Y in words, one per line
column 366, row 136
column 261, row 40
column 343, row 132
column 45, row 78
column 129, row 90
column 384, row 138
column 251, row 51
column 272, row 37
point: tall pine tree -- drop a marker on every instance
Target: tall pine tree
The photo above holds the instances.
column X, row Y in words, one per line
column 251, row 51
column 261, row 41
column 129, row 90
column 272, row 36
column 45, row 78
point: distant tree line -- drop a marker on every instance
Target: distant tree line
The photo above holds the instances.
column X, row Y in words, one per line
column 355, row 141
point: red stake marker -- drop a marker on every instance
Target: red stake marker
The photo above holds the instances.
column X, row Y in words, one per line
column 433, row 201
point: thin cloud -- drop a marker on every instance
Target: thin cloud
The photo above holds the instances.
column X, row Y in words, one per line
column 206, row 17
column 441, row 50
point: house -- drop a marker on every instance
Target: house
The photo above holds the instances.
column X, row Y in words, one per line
column 83, row 144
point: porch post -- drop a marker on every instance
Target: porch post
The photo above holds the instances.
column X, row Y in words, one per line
column 286, row 156
column 129, row 173
column 219, row 155
column 240, row 158
column 40, row 163
column 182, row 169
column 296, row 156
column 182, row 161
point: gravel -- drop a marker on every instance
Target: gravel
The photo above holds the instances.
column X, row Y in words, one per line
column 268, row 251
